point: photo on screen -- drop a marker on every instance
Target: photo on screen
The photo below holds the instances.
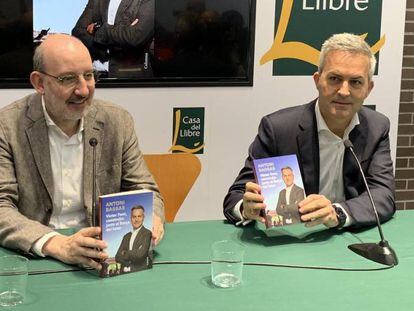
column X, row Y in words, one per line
column 118, row 34
column 137, row 42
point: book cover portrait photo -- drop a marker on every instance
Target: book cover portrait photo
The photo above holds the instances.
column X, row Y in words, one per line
column 126, row 222
column 282, row 187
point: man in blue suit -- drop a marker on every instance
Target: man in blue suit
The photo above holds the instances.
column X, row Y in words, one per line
column 316, row 132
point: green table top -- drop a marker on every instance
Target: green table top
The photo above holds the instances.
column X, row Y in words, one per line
column 188, row 287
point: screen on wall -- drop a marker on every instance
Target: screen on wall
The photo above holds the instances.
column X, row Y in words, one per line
column 136, row 42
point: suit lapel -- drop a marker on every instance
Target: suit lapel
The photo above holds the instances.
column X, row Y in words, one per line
column 93, row 128
column 308, row 146
column 136, row 241
column 128, row 240
column 38, row 138
column 358, row 137
column 104, row 5
column 123, row 6
column 283, row 196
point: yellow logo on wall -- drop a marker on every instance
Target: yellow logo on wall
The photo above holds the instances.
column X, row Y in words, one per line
column 306, row 24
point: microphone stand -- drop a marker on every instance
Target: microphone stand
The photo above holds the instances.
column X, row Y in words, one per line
column 381, row 252
column 93, row 142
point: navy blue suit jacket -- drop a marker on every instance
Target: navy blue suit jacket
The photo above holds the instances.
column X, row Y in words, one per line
column 294, row 131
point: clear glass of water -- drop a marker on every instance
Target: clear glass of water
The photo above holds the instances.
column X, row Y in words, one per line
column 13, row 280
column 226, row 263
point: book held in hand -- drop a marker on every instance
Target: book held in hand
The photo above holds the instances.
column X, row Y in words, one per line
column 282, row 187
column 126, row 222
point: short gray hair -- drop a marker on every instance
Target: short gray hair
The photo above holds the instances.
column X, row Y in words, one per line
column 136, row 207
column 286, row 168
column 350, row 43
column 38, row 64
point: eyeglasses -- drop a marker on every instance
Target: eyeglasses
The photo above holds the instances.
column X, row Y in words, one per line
column 71, row 80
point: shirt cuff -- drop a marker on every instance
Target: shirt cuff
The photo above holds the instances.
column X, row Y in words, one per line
column 38, row 245
column 236, row 213
column 349, row 221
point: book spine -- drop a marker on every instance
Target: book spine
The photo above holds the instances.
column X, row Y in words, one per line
column 100, row 216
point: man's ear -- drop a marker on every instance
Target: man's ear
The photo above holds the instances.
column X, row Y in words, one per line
column 370, row 86
column 316, row 77
column 37, row 81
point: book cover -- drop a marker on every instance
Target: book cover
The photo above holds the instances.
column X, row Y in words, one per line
column 282, row 187
column 126, row 222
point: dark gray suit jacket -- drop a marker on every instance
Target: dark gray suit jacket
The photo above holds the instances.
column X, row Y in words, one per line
column 296, row 195
column 294, row 131
column 290, row 211
column 127, row 44
column 26, row 182
column 138, row 258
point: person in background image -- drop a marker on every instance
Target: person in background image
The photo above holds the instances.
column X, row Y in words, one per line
column 118, row 34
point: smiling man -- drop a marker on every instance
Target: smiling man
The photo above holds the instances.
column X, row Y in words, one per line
column 316, row 132
column 289, row 197
column 46, row 161
column 133, row 252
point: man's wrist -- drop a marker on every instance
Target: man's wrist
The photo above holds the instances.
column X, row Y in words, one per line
column 51, row 247
column 38, row 246
column 237, row 212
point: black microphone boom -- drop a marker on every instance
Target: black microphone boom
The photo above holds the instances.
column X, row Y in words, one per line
column 93, row 142
column 381, row 252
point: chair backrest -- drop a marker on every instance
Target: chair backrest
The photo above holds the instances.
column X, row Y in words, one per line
column 175, row 174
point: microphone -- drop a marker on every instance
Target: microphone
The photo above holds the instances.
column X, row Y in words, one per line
column 93, row 142
column 381, row 252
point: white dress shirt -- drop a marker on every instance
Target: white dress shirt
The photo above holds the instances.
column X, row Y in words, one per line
column 288, row 190
column 66, row 156
column 331, row 160
column 112, row 9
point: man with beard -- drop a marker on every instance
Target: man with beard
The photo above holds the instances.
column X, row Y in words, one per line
column 46, row 160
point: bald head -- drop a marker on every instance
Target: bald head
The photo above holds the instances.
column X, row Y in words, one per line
column 58, row 48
